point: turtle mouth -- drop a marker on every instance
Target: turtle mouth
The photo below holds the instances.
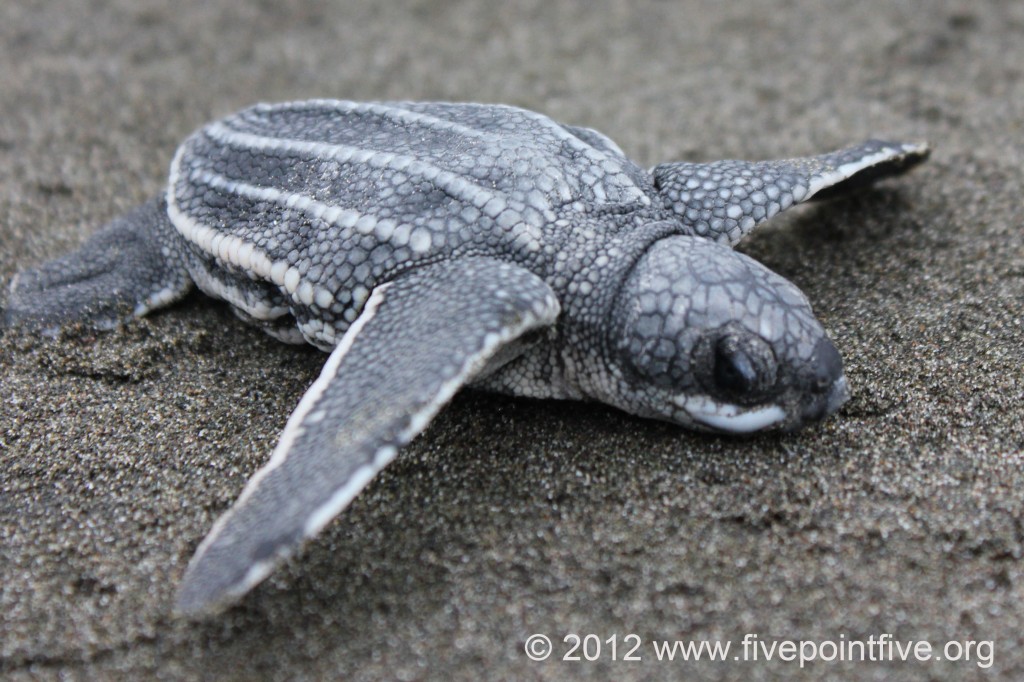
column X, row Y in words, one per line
column 706, row 413
column 823, row 404
column 727, row 418
column 825, row 386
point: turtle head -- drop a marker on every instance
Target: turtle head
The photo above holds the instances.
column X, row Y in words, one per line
column 707, row 337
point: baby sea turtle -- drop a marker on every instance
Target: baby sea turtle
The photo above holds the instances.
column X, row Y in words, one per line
column 426, row 246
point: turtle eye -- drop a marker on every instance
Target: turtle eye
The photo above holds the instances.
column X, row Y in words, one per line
column 734, row 370
column 744, row 368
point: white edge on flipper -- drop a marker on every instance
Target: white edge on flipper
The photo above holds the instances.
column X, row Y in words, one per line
column 292, row 429
column 850, row 169
column 322, row 515
column 418, row 420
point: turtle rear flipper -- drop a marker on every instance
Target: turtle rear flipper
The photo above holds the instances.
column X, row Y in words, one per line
column 131, row 266
column 725, row 200
column 418, row 339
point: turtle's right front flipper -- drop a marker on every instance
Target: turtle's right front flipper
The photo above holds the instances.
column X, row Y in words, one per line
column 418, row 339
column 131, row 266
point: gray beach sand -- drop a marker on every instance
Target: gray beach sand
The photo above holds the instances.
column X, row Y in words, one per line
column 904, row 514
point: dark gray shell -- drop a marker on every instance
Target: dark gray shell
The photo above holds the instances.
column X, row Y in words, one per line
column 299, row 210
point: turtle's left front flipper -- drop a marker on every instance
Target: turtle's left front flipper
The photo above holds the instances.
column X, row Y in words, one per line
column 725, row 200
column 418, row 339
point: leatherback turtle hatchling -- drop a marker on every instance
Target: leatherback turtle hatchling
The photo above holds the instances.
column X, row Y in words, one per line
column 430, row 245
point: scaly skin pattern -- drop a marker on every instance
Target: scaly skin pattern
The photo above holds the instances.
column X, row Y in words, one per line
column 427, row 246
column 368, row 191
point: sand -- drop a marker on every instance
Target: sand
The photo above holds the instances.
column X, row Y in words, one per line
column 901, row 515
